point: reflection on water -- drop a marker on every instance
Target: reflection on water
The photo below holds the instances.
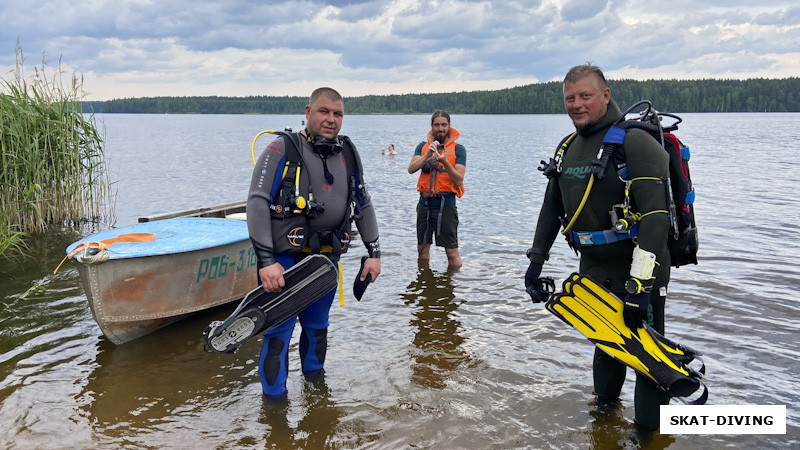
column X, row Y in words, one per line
column 133, row 388
column 136, row 393
column 609, row 429
column 315, row 429
column 437, row 341
column 141, row 393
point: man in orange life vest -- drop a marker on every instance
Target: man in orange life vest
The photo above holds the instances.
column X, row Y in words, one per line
column 443, row 163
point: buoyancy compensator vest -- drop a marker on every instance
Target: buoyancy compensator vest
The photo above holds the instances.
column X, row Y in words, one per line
column 292, row 204
column 683, row 241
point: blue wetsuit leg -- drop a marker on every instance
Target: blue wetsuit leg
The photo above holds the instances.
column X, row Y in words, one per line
column 274, row 359
column 314, row 337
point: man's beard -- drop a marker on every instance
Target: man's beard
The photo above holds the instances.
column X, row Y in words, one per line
column 585, row 127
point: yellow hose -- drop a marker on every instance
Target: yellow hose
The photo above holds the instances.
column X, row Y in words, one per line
column 253, row 145
column 580, row 207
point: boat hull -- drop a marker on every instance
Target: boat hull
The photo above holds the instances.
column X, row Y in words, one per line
column 191, row 264
column 130, row 298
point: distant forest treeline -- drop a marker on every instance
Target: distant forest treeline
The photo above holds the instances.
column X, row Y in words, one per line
column 754, row 95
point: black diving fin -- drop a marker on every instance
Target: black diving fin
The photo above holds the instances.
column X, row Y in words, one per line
column 597, row 314
column 306, row 282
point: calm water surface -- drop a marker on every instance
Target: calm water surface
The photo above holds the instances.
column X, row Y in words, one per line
column 428, row 358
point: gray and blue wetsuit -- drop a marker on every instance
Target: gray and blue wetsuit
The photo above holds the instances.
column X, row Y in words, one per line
column 335, row 197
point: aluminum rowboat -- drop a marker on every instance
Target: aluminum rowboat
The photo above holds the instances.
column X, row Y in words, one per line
column 196, row 260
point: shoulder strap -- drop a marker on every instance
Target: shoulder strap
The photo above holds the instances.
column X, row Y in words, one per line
column 616, row 136
column 354, row 170
column 294, row 153
column 292, row 144
column 613, row 147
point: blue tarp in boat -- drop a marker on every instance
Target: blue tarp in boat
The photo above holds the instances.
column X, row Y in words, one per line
column 183, row 234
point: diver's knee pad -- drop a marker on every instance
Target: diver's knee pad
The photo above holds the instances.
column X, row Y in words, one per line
column 272, row 366
column 313, row 348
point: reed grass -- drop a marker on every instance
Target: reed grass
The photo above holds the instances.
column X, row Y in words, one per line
column 51, row 155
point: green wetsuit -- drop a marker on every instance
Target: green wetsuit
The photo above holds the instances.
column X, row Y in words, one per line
column 610, row 264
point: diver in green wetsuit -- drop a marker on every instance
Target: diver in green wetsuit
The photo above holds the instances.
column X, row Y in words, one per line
column 634, row 265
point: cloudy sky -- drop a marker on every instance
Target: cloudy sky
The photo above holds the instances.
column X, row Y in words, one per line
column 137, row 48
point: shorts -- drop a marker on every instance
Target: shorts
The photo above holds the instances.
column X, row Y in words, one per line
column 427, row 221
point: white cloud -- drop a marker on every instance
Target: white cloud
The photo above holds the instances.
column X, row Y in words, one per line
column 718, row 65
column 248, row 47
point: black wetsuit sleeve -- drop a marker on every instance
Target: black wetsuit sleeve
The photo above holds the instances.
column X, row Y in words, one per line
column 259, row 223
column 548, row 224
column 366, row 221
column 646, row 160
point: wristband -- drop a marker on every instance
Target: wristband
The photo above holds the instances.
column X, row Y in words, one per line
column 374, row 249
column 536, row 251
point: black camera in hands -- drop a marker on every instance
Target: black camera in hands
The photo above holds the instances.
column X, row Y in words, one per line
column 430, row 165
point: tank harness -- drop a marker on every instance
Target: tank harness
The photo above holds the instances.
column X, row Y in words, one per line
column 292, row 204
column 625, row 221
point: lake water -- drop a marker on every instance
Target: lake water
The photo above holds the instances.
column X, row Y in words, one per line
column 428, row 358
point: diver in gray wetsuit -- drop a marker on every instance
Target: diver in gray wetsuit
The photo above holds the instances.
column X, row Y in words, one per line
column 307, row 189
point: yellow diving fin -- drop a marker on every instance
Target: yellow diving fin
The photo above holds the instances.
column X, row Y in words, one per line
column 597, row 314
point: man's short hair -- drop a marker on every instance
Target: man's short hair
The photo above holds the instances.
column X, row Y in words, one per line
column 584, row 70
column 440, row 113
column 326, row 92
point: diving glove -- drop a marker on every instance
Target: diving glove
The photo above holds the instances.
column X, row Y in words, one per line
column 634, row 311
column 637, row 297
column 360, row 286
column 539, row 288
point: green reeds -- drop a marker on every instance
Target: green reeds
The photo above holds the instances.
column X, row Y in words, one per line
column 52, row 163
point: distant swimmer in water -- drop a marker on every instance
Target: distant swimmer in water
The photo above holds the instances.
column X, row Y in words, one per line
column 391, row 151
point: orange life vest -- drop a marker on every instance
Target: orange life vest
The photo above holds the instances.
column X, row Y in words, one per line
column 443, row 182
